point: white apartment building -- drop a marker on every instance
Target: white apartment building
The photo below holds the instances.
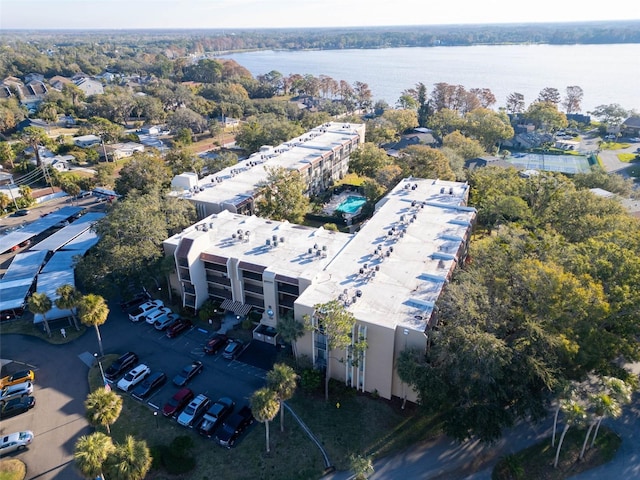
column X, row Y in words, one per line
column 389, row 275
column 320, row 155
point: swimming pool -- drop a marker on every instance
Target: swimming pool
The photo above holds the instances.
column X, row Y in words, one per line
column 351, row 204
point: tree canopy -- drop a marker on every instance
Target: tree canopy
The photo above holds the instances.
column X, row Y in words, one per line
column 545, row 299
column 281, row 196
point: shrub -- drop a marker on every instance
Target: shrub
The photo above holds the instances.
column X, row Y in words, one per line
column 310, row 380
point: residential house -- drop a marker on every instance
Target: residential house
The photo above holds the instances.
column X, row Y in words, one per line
column 418, row 136
column 89, row 86
column 6, row 178
column 58, row 82
column 631, row 126
column 30, row 77
column 85, row 141
column 61, row 163
column 116, row 151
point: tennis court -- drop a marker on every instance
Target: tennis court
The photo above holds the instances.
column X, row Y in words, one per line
column 551, row 163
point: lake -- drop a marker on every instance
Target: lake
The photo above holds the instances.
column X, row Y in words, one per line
column 606, row 73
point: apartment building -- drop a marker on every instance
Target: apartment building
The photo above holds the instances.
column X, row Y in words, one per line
column 321, row 156
column 389, row 275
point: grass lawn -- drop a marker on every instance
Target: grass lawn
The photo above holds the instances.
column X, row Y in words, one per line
column 627, row 157
column 25, row 326
column 614, row 145
column 348, row 423
column 12, row 469
column 536, row 462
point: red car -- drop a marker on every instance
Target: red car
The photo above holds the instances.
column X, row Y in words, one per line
column 178, row 327
column 180, row 400
column 215, row 343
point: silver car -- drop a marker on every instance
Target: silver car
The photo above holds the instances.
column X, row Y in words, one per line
column 13, row 391
column 15, row 441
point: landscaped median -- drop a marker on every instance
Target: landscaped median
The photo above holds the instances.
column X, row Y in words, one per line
column 536, row 462
column 12, row 469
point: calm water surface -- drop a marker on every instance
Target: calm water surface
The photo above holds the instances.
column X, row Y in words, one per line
column 606, row 73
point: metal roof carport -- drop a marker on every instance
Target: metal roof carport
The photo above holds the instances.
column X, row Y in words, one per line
column 36, row 227
column 67, row 234
column 57, row 272
column 17, row 281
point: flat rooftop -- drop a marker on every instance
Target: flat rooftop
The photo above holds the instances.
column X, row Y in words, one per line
column 238, row 182
column 288, row 249
column 394, row 269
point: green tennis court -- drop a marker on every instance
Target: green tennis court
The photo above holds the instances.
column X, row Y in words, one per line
column 551, row 163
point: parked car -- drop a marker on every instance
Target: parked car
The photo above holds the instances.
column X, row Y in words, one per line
column 188, row 373
column 232, row 350
column 145, row 309
column 215, row 343
column 15, row 391
column 166, row 321
column 134, row 377
column 125, row 362
column 18, row 377
column 215, row 415
column 157, row 314
column 232, row 428
column 137, row 300
column 153, row 381
column 176, row 403
column 15, row 441
column 16, row 406
column 192, row 412
column 21, row 213
column 179, row 326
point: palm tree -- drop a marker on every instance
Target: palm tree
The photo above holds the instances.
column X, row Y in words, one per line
column 131, row 460
column 565, row 390
column 93, row 311
column 575, row 415
column 103, row 407
column 282, row 379
column 40, row 304
column 265, row 405
column 619, row 394
column 90, row 453
column 68, row 299
column 361, row 466
column 290, row 330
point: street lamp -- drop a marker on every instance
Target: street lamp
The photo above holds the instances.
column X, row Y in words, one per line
column 155, row 414
column 104, row 381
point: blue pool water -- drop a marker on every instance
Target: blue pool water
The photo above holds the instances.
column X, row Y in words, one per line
column 352, row 204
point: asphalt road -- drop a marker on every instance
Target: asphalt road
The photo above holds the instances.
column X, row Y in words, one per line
column 61, row 384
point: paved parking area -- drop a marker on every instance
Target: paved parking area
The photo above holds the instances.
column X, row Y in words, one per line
column 61, row 382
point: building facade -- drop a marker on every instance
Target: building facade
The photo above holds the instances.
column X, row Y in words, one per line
column 389, row 275
column 320, row 155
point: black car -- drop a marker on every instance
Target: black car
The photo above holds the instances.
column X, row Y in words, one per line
column 228, row 434
column 215, row 343
column 15, row 406
column 149, row 384
column 136, row 301
column 215, row 415
column 187, row 373
column 122, row 364
column 21, row 213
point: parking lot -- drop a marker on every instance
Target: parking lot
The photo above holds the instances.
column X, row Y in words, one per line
column 61, row 382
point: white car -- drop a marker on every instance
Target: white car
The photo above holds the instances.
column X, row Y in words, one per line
column 157, row 315
column 164, row 322
column 145, row 309
column 134, row 377
column 15, row 441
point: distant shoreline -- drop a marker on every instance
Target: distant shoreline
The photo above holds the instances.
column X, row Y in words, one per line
column 242, row 40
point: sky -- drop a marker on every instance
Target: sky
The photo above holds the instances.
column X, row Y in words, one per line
column 225, row 14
